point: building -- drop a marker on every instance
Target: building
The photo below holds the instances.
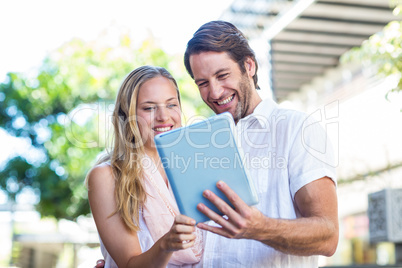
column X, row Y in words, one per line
column 298, row 45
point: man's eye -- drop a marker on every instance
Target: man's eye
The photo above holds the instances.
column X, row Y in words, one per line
column 202, row 84
column 222, row 76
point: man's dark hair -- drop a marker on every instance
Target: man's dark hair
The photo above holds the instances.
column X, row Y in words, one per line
column 220, row 36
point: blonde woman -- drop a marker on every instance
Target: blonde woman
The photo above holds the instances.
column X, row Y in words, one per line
column 130, row 197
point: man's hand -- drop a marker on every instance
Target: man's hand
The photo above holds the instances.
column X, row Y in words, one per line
column 242, row 222
column 314, row 233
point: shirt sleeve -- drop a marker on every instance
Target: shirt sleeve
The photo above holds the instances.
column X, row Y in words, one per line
column 311, row 155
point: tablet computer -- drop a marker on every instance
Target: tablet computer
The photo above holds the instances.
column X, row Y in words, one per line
column 197, row 156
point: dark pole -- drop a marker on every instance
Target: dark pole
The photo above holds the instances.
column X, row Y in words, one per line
column 398, row 253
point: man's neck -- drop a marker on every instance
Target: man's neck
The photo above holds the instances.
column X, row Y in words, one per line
column 256, row 99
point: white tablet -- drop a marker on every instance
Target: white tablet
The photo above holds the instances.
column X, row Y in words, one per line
column 197, row 156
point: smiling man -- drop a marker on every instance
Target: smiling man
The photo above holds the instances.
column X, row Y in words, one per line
column 296, row 219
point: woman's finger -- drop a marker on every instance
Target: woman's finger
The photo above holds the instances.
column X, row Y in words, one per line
column 179, row 228
column 183, row 244
column 183, row 219
column 185, row 237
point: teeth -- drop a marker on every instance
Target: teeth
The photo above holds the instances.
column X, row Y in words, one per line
column 162, row 129
column 226, row 100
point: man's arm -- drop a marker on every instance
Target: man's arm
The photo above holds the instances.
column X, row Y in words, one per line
column 315, row 233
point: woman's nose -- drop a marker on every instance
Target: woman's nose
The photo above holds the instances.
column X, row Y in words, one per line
column 162, row 114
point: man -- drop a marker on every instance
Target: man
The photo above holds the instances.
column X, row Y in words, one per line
column 296, row 218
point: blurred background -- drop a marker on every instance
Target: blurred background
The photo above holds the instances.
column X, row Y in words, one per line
column 62, row 62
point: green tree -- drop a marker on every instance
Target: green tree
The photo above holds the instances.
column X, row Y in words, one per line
column 383, row 49
column 47, row 108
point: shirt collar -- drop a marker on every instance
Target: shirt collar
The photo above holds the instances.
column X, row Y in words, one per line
column 262, row 111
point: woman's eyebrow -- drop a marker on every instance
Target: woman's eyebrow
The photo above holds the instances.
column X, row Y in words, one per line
column 147, row 102
column 153, row 102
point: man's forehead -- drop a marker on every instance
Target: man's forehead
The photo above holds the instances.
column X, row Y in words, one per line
column 208, row 63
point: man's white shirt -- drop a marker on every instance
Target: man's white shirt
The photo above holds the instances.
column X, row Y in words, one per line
column 282, row 150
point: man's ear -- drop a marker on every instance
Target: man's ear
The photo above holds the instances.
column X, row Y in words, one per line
column 250, row 66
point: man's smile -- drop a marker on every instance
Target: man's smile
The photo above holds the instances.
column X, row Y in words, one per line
column 225, row 101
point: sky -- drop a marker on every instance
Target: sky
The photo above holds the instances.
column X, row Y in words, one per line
column 30, row 29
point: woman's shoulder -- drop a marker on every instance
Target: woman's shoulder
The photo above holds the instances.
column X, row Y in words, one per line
column 101, row 173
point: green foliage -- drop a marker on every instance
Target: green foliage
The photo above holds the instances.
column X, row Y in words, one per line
column 383, row 50
column 46, row 108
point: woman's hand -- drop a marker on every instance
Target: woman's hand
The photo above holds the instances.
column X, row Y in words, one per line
column 181, row 235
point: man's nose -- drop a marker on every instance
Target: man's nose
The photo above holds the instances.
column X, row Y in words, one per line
column 215, row 90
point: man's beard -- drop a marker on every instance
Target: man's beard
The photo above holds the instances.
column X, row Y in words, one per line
column 244, row 96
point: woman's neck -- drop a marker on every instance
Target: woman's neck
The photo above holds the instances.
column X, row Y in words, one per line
column 153, row 154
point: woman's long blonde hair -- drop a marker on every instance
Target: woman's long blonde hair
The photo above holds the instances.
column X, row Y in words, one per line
column 128, row 151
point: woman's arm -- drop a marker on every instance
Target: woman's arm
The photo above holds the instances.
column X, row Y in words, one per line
column 121, row 243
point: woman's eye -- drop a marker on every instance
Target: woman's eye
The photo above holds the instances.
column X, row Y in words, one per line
column 171, row 105
column 149, row 108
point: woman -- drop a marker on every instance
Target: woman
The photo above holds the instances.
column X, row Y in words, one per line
column 134, row 209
